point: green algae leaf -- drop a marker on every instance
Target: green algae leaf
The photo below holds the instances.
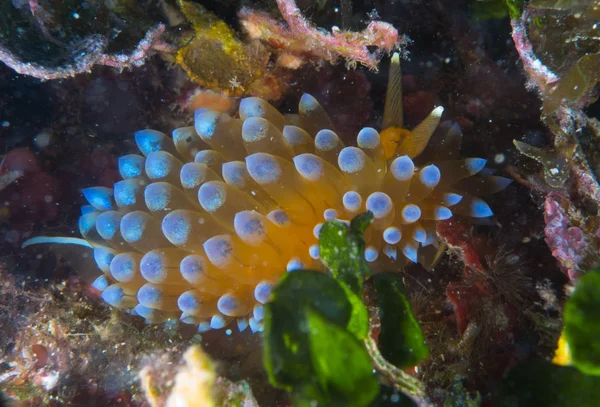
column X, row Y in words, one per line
column 488, row 10
column 401, row 340
column 515, row 8
column 286, row 350
column 290, row 351
column 541, row 383
column 359, row 317
column 342, row 248
column 575, row 84
column 341, row 363
column 582, row 324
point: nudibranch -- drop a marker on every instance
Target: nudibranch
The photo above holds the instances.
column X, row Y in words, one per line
column 204, row 223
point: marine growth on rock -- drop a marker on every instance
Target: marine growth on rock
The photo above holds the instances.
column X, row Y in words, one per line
column 205, row 222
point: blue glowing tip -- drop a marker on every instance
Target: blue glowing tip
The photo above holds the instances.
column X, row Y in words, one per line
column 100, row 198
column 103, row 257
column 371, row 254
column 158, row 165
column 309, row 166
column 149, row 295
column 250, row 227
column 352, row 201
column 474, row 165
column 251, row 106
column 123, row 267
column 411, row 253
column 308, row 103
column 177, row 226
column 330, row 214
column 259, row 312
column 314, row 252
column 317, row 230
column 255, row 326
column 228, row 305
column 242, row 324
column 113, row 295
column 392, row 235
column 295, row 264
column 380, row 204
column 157, row 196
column 263, row 168
column 107, row 224
column 149, row 140
column 219, row 250
column 205, row 123
column 131, row 166
column 430, row 176
column 127, row 191
column 351, row 159
column 212, row 195
column 101, row 283
column 234, row 173
column 368, row 138
column 442, row 213
column 420, row 235
column 452, row 199
column 153, row 267
column 402, row 168
column 411, row 213
column 87, row 222
column 192, row 268
column 326, row 140
column 218, row 322
column 480, row 209
column 262, row 292
column 133, row 226
column 189, row 302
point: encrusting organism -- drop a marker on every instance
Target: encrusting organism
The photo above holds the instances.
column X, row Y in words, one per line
column 203, row 224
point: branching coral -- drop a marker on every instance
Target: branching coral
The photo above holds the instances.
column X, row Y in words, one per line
column 204, row 223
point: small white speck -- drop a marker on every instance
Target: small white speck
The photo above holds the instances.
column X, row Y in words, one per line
column 554, row 171
column 499, row 158
column 526, row 239
column 76, row 16
column 5, row 124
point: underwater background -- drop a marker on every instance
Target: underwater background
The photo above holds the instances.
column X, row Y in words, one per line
column 490, row 302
